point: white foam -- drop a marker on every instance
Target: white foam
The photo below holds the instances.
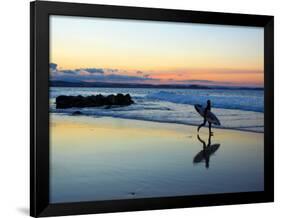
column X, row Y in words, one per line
column 250, row 103
column 235, row 110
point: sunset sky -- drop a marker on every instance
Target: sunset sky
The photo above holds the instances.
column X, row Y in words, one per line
column 127, row 51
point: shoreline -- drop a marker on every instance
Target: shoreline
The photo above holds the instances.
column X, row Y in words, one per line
column 158, row 121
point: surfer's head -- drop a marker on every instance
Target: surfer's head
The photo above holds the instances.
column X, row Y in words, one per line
column 209, row 102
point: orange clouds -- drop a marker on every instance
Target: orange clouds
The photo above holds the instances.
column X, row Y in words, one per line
column 227, row 76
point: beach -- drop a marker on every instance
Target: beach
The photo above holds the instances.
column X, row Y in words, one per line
column 124, row 109
column 105, row 158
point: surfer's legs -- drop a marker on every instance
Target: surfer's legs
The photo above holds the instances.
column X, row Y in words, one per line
column 203, row 124
column 209, row 139
column 210, row 129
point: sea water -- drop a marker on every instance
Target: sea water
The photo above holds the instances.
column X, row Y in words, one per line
column 235, row 108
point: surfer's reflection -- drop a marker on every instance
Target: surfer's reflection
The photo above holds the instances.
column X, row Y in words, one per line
column 208, row 150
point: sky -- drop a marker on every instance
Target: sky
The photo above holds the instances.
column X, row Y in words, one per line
column 154, row 52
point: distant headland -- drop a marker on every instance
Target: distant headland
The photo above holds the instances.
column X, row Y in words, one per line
column 58, row 83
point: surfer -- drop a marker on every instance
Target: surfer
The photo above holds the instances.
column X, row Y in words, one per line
column 207, row 109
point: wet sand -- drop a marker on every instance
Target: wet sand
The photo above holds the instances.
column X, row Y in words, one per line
column 103, row 158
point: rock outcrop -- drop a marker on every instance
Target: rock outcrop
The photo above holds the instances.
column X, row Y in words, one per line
column 79, row 101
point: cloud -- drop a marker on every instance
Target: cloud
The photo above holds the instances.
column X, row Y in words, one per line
column 96, row 75
column 111, row 70
column 146, row 75
column 53, row 66
column 92, row 70
column 127, row 78
column 74, row 72
column 205, row 82
column 118, row 76
column 113, row 78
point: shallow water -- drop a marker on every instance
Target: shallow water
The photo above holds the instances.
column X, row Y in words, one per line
column 236, row 109
column 103, row 158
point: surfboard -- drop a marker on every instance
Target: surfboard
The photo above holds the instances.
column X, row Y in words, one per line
column 209, row 150
column 210, row 116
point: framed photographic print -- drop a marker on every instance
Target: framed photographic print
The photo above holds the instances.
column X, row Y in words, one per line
column 141, row 108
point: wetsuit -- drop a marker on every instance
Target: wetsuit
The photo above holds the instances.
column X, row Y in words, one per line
column 208, row 108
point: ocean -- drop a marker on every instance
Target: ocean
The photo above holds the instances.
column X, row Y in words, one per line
column 236, row 109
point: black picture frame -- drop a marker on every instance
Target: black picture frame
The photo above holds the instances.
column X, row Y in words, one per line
column 39, row 107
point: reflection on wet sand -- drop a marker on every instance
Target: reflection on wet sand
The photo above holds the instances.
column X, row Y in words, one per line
column 110, row 158
column 206, row 152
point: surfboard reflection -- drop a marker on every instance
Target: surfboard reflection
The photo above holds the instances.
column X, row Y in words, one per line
column 206, row 152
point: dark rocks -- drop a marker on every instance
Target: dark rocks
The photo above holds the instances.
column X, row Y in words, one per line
column 79, row 101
